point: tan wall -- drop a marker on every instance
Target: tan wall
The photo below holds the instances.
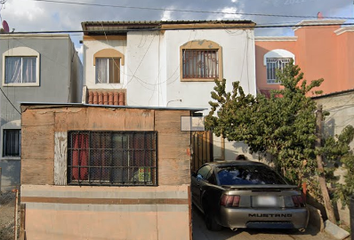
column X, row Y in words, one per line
column 65, row 212
column 74, row 212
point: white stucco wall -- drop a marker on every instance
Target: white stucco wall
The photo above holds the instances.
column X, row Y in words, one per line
column 92, row 47
column 151, row 73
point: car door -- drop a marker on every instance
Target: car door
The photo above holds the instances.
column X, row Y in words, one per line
column 198, row 182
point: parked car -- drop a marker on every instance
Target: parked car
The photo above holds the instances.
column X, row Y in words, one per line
column 247, row 194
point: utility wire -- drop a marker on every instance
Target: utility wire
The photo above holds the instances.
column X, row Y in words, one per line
column 195, row 28
column 10, row 101
column 184, row 10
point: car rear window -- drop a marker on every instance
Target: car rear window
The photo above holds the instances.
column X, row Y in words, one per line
column 248, row 175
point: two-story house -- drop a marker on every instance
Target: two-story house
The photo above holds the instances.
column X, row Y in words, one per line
column 322, row 48
column 34, row 68
column 168, row 64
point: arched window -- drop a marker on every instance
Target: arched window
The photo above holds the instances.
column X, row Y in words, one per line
column 276, row 60
column 200, row 61
column 107, row 63
column 20, row 67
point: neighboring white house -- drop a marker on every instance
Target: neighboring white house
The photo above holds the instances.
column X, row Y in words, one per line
column 167, row 64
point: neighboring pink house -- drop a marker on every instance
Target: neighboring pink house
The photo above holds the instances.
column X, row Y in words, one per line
column 322, row 51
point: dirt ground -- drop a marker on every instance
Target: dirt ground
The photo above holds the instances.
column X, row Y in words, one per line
column 7, row 208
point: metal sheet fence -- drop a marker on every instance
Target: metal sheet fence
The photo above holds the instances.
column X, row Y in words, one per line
column 8, row 213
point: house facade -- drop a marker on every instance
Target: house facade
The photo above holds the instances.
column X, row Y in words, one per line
column 323, row 48
column 168, row 64
column 105, row 172
column 34, row 68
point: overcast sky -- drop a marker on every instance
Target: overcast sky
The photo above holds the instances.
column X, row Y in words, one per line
column 51, row 15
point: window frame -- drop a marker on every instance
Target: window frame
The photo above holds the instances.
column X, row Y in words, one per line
column 115, row 62
column 201, row 45
column 21, row 52
column 280, row 63
column 5, row 140
column 122, row 158
column 109, row 53
column 273, row 54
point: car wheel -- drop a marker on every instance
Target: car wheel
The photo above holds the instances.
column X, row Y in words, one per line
column 210, row 222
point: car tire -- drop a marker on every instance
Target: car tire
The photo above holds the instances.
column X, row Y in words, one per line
column 211, row 223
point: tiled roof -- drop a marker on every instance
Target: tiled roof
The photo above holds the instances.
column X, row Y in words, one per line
column 106, row 97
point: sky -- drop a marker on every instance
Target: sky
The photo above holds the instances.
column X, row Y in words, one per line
column 67, row 15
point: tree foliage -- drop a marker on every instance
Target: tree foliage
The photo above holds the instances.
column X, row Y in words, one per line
column 282, row 125
column 337, row 150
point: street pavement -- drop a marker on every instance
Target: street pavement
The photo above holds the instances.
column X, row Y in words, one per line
column 200, row 232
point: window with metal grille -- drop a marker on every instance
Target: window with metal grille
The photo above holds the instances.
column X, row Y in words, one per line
column 107, row 70
column 200, row 64
column 274, row 64
column 11, row 143
column 112, row 158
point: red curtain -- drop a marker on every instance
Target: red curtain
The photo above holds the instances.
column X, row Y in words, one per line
column 80, row 156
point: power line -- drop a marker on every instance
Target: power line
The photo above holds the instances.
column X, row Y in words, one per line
column 195, row 28
column 184, row 10
column 10, row 101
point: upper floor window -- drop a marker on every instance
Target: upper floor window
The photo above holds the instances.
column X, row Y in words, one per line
column 274, row 65
column 11, row 142
column 107, row 70
column 108, row 64
column 200, row 64
column 201, row 61
column 274, row 61
column 112, row 158
column 21, row 67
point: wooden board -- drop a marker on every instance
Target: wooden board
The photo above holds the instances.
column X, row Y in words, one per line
column 37, row 171
column 37, row 142
column 60, row 158
column 37, row 117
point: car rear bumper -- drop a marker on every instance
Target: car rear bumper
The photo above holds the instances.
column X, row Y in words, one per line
column 263, row 218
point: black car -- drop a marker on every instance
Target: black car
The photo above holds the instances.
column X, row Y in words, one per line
column 247, row 194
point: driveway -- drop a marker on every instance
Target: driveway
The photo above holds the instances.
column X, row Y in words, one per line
column 201, row 233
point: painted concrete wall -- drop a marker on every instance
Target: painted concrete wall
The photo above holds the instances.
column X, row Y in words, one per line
column 320, row 51
column 130, row 213
column 60, row 80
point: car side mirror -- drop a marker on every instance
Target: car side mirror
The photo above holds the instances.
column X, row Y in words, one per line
column 199, row 177
column 194, row 174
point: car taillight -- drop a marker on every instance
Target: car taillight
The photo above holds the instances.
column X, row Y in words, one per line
column 230, row 200
column 298, row 201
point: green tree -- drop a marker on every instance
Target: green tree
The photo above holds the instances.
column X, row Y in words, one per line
column 282, row 126
column 337, row 150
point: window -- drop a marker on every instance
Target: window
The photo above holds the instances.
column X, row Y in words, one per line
column 274, row 60
column 107, row 70
column 201, row 61
column 11, row 142
column 112, row 158
column 273, row 65
column 108, row 64
column 200, row 64
column 21, row 67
